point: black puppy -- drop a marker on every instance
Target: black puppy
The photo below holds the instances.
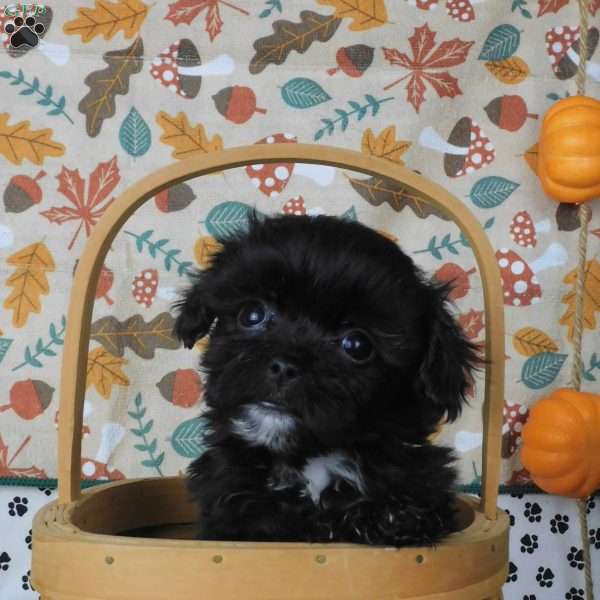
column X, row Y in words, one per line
column 330, row 361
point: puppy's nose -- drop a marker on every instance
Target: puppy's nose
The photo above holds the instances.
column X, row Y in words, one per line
column 283, row 371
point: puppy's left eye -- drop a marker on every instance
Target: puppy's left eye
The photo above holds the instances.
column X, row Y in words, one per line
column 252, row 315
column 357, row 346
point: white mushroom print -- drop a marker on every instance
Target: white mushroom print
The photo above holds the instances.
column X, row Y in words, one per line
column 519, row 282
column 524, row 231
column 562, row 44
column 467, row 149
column 98, row 468
column 272, row 178
column 179, row 68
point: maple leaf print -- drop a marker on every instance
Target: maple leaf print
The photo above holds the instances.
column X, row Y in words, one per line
column 6, row 468
column 185, row 11
column 88, row 209
column 426, row 64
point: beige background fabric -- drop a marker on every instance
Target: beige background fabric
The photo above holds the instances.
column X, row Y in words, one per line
column 159, row 433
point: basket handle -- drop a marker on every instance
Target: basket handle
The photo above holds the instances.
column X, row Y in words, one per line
column 77, row 335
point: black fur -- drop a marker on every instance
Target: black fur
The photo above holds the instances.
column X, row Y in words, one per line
column 319, row 278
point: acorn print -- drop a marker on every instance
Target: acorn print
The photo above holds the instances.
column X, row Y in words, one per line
column 508, row 112
column 144, row 287
column 455, row 274
column 175, row 198
column 237, row 103
column 22, row 192
column 353, row 60
column 182, row 387
column 29, row 398
column 294, row 206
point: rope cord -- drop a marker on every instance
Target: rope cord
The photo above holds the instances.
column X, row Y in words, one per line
column 577, row 365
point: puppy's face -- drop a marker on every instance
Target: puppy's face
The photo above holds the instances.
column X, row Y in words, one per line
column 323, row 332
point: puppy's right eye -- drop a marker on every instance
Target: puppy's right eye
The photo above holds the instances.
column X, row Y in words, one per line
column 252, row 315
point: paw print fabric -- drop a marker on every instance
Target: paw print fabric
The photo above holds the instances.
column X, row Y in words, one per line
column 100, row 94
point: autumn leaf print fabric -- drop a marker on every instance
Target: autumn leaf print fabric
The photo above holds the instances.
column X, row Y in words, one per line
column 116, row 89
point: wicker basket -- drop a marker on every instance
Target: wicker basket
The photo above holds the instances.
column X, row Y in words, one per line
column 131, row 540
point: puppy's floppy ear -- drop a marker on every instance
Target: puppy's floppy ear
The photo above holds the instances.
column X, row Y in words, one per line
column 446, row 370
column 195, row 318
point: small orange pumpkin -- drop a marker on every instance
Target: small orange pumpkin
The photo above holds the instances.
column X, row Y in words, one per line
column 569, row 150
column 561, row 443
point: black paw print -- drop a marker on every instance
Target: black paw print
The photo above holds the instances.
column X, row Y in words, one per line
column 545, row 577
column 529, row 597
column 519, row 496
column 26, row 582
column 590, row 504
column 512, row 573
column 29, row 539
column 533, row 512
column 575, row 594
column 575, row 558
column 47, row 491
column 18, row 506
column 559, row 524
column 511, row 517
column 4, row 560
column 595, row 538
column 24, row 31
column 529, row 543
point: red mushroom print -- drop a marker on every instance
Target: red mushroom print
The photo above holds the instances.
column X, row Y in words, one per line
column 461, row 10
column 271, row 179
column 467, row 149
column 524, row 231
column 294, row 206
column 105, row 282
column 453, row 273
column 98, row 468
column 424, row 4
column 562, row 44
column 87, row 411
column 519, row 282
column 353, row 60
column 515, row 416
column 144, row 287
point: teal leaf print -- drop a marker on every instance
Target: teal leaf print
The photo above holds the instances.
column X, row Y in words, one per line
column 541, row 370
column 34, row 88
column 501, row 43
column 446, row 243
column 303, row 93
column 141, row 431
column 143, row 240
column 521, row 5
column 228, row 218
column 594, row 364
column 271, row 6
column 134, row 134
column 188, row 438
column 43, row 348
column 5, row 344
column 490, row 192
column 343, row 118
column 350, row 214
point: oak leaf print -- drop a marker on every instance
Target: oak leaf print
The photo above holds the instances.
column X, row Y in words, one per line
column 274, row 49
column 384, row 145
column 186, row 140
column 6, row 461
column 591, row 298
column 29, row 281
column 87, row 208
column 185, row 11
column 105, row 370
column 365, row 14
column 426, row 64
column 99, row 103
column 107, row 18
column 18, row 142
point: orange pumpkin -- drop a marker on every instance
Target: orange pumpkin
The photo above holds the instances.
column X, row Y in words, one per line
column 561, row 443
column 569, row 150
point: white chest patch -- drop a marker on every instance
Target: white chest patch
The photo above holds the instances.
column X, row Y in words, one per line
column 264, row 426
column 321, row 471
